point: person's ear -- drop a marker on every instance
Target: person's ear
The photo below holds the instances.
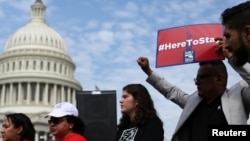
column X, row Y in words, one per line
column 136, row 103
column 19, row 130
column 247, row 32
column 71, row 126
column 220, row 78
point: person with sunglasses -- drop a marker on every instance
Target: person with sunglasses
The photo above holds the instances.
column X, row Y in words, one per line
column 212, row 104
column 17, row 127
column 64, row 123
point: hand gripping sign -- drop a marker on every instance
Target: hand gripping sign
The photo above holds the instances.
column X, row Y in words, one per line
column 187, row 44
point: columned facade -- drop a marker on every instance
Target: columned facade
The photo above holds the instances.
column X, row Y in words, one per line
column 36, row 72
column 35, row 93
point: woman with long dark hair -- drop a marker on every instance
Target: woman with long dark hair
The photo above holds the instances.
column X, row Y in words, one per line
column 139, row 121
column 17, row 127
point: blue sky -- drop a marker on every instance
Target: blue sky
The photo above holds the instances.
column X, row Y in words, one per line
column 105, row 37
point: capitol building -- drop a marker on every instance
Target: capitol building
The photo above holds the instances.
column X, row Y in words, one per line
column 36, row 72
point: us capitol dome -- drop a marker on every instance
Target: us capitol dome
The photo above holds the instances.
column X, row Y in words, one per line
column 36, row 72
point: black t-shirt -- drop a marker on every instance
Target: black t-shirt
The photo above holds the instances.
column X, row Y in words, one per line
column 204, row 115
column 151, row 131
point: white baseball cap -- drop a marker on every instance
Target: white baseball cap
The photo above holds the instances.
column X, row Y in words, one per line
column 63, row 109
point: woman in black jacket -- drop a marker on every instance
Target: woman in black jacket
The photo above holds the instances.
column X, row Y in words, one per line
column 139, row 121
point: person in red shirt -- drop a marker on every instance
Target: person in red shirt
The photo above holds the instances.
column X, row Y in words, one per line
column 64, row 123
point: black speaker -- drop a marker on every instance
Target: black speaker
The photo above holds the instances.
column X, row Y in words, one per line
column 98, row 111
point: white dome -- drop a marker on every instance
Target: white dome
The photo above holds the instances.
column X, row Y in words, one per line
column 36, row 34
column 36, row 72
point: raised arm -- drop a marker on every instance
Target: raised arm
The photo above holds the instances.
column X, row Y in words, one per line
column 144, row 64
column 167, row 89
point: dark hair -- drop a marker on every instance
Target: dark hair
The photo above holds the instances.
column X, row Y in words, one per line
column 217, row 67
column 79, row 125
column 145, row 109
column 20, row 119
column 237, row 17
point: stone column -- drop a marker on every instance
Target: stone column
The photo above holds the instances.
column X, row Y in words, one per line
column 45, row 100
column 3, row 95
column 37, row 95
column 55, row 94
column 11, row 94
column 62, row 94
column 28, row 93
column 19, row 97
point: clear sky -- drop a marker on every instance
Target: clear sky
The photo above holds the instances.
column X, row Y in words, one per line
column 105, row 37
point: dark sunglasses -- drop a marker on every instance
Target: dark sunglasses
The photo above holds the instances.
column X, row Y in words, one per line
column 55, row 120
column 202, row 77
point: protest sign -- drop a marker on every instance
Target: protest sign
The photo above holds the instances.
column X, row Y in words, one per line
column 187, row 44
